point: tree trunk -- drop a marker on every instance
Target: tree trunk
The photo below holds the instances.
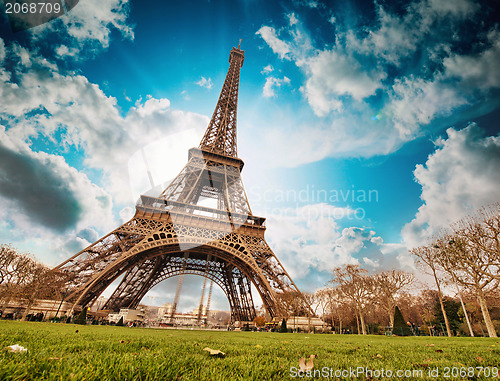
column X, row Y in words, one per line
column 465, row 311
column 390, row 311
column 363, row 326
column 486, row 315
column 440, row 295
column 357, row 322
column 27, row 311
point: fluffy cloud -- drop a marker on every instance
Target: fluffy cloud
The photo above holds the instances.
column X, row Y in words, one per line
column 395, row 37
column 332, row 74
column 268, row 69
column 309, row 242
column 203, row 82
column 47, row 205
column 278, row 46
column 478, row 71
column 45, row 100
column 460, row 177
column 416, row 102
column 2, row 51
column 400, row 76
column 271, row 84
column 49, row 191
column 88, row 26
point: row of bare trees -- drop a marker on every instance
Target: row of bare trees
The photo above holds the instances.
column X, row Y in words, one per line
column 354, row 288
column 467, row 258
column 24, row 280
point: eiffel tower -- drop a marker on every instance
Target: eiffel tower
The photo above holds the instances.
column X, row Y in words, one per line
column 200, row 224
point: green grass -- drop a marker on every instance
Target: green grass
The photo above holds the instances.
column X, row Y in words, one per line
column 59, row 352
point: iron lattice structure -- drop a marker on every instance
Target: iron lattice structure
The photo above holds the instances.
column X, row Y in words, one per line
column 200, row 224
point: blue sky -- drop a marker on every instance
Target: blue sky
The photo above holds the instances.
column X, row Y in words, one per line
column 396, row 103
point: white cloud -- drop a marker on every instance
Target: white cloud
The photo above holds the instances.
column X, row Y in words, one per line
column 89, row 24
column 293, row 19
column 44, row 200
column 71, row 113
column 332, row 74
column 2, row 50
column 271, row 84
column 416, row 102
column 460, row 177
column 309, row 242
column 303, row 238
column 267, row 69
column 395, row 37
column 270, row 37
column 479, row 71
column 88, row 119
column 203, row 82
column 62, row 51
column 363, row 106
column 48, row 190
column 458, row 8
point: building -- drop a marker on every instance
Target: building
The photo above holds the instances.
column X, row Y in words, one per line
column 16, row 308
column 129, row 316
column 306, row 324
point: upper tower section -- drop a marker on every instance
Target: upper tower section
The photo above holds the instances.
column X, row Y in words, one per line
column 220, row 137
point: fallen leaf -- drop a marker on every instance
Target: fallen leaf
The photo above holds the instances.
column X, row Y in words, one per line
column 16, row 348
column 258, row 346
column 306, row 366
column 122, row 341
column 55, row 358
column 76, row 331
column 480, row 359
column 439, row 350
column 379, row 356
column 214, row 352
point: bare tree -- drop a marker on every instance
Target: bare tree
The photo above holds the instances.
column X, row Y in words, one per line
column 16, row 273
column 293, row 302
column 23, row 278
column 354, row 285
column 387, row 285
column 428, row 256
column 481, row 233
column 469, row 265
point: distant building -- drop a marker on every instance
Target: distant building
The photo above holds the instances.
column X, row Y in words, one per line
column 165, row 310
column 305, row 323
column 17, row 307
column 129, row 315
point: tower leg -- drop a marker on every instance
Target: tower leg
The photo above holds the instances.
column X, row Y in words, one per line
column 179, row 286
column 200, row 307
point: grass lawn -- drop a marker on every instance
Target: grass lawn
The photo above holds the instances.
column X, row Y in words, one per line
column 74, row 352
